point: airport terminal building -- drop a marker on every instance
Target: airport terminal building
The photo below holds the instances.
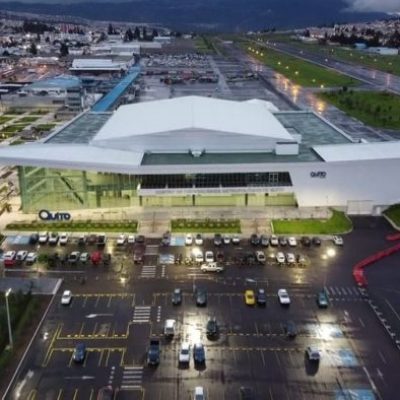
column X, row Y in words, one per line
column 200, row 151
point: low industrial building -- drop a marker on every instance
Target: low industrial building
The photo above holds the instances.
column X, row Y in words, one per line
column 200, row 151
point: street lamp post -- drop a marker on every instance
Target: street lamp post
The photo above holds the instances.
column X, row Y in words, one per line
column 8, row 318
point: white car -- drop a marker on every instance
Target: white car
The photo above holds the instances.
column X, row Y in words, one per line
column 209, row 256
column 53, row 238
column 313, row 353
column 21, row 255
column 199, row 393
column 66, row 298
column 9, row 255
column 121, row 240
column 338, row 240
column 290, row 258
column 273, row 240
column 184, row 353
column 292, row 241
column 198, row 240
column 131, row 239
column 31, row 258
column 260, row 256
column 283, row 296
column 235, row 239
column 189, row 239
column 211, row 267
column 280, row 257
column 63, row 239
column 43, row 237
column 198, row 256
column 226, row 239
column 84, row 257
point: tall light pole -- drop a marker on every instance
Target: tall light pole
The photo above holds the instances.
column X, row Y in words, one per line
column 8, row 319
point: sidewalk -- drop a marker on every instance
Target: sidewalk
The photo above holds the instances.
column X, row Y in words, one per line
column 155, row 221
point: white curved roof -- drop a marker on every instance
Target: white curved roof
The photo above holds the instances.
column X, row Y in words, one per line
column 193, row 112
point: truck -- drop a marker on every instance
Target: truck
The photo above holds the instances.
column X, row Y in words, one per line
column 153, row 354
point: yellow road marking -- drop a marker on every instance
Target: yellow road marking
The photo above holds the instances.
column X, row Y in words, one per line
column 53, row 339
column 32, row 394
column 75, row 394
column 94, row 329
column 100, row 358
column 109, row 302
column 91, row 393
column 107, row 357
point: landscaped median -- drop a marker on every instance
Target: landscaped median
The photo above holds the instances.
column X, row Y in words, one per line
column 76, row 226
column 339, row 223
column 205, row 225
column 393, row 214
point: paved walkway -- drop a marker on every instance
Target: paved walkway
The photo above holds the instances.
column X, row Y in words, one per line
column 155, row 221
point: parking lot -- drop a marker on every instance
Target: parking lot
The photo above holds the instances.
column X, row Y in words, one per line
column 121, row 306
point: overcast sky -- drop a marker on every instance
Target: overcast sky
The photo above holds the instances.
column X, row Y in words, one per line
column 354, row 5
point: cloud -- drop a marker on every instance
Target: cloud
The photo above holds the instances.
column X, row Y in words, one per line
column 374, row 5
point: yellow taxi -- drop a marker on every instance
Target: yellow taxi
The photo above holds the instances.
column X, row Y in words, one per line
column 249, row 297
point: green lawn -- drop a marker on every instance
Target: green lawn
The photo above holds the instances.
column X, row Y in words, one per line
column 45, row 127
column 379, row 109
column 28, row 120
column 393, row 213
column 205, row 226
column 75, row 226
column 204, row 45
column 299, row 71
column 338, row 223
column 4, row 119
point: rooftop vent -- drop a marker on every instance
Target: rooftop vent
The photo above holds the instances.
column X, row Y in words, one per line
column 196, row 153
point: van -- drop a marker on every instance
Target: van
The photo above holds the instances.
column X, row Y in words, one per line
column 169, row 327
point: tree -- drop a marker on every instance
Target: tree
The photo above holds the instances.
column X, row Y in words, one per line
column 144, row 33
column 154, row 33
column 33, row 49
column 110, row 30
column 64, row 50
column 128, row 37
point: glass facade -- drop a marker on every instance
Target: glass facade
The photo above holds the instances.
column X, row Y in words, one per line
column 56, row 189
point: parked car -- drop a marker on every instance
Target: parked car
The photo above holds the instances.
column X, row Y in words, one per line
column 198, row 240
column 189, row 239
column 290, row 258
column 53, row 238
column 84, row 257
column 260, row 257
column 261, row 297
column 184, row 353
column 264, row 240
column 217, row 239
column 209, row 256
column 177, row 297
column 198, row 256
column 165, row 240
column 131, row 239
column 283, row 296
column 140, row 239
column 280, row 258
column 33, row 238
column 92, row 239
column 292, row 241
column 96, row 257
column 337, row 240
column 313, row 353
column 306, row 241
column 290, row 329
column 199, row 393
column 74, row 257
column 9, row 258
column 63, row 240
column 121, row 239
column 316, row 241
column 226, row 239
column 249, row 297
column 301, row 259
column 31, row 258
column 199, row 353
column 66, row 298
column 21, row 255
column 220, row 256
column 82, row 240
column 43, row 237
column 282, row 241
column 138, row 253
column 273, row 240
column 235, row 239
column 101, row 240
column 79, row 353
column 254, row 239
column 249, row 259
column 212, row 328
